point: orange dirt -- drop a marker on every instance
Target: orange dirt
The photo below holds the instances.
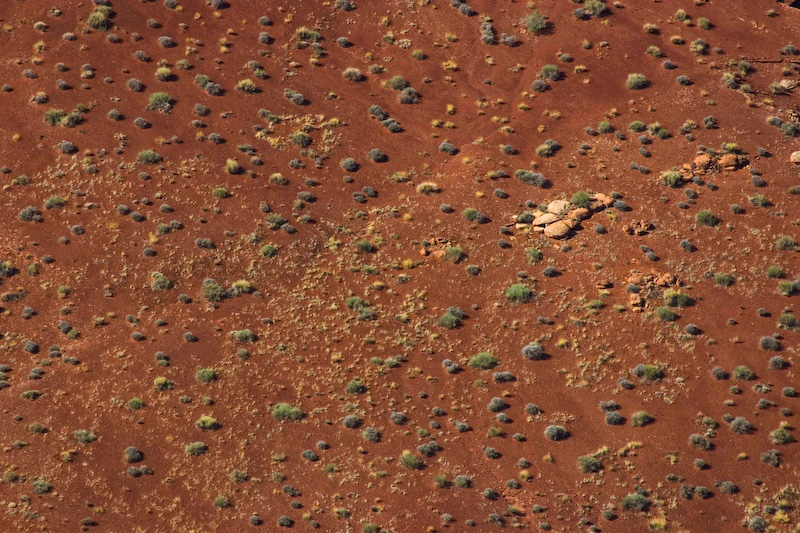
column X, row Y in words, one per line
column 312, row 338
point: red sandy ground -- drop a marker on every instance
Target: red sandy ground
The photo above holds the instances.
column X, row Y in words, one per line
column 314, row 345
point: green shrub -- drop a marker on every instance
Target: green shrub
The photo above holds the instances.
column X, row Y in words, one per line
column 205, row 375
column 671, row 178
column 787, row 288
column 41, row 486
column 743, row 373
column 648, row 373
column 246, row 86
column 449, row 321
column 706, row 218
column 635, row 502
column 589, row 464
column 160, row 282
column 98, row 19
column 363, row 245
column 84, row 436
column 781, row 437
column 786, row 243
column 550, row 72
column 301, row 139
column 774, row 272
column 473, row 215
column 355, row 387
column 213, row 291
column 306, row 34
column 641, row 418
column 163, row 384
column 148, row 157
column 533, row 255
column 724, row 280
column 483, row 361
column 195, row 449
column 535, row 22
column 232, row 166
column 665, row 314
column 285, row 412
column 221, row 502
column 454, row 254
column 207, row 423
column 269, row 250
column 243, row 335
column 675, row 298
column 637, row 81
column 581, row 199
column 411, row 461
column 135, row 404
column 637, row 126
column 160, row 101
column 519, row 293
column 54, row 116
column 398, row 83
column 594, row 8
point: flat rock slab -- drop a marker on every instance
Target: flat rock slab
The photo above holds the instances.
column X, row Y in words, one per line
column 547, row 218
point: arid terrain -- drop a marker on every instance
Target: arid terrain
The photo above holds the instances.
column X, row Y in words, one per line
column 399, row 266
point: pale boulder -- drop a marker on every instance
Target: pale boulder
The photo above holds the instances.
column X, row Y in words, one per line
column 558, row 207
column 545, row 219
column 557, row 230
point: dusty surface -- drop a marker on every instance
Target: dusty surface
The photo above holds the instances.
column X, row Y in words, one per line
column 81, row 278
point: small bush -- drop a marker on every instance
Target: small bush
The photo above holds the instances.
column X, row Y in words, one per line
column 706, row 218
column 527, row 177
column 411, row 461
column 665, row 314
column 637, row 81
column 519, row 293
column 769, row 343
column 556, row 433
column 483, row 361
column 635, row 502
column 724, row 280
column 195, row 449
column 285, row 412
column 743, row 373
column 641, row 418
column 149, row 157
column 741, row 426
column 535, row 22
column 246, row 86
column 589, row 464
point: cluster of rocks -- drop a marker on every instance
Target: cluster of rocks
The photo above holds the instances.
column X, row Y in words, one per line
column 647, row 281
column 638, row 227
column 561, row 217
column 705, row 164
column 436, row 248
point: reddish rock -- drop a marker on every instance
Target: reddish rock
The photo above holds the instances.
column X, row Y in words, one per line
column 702, row 161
